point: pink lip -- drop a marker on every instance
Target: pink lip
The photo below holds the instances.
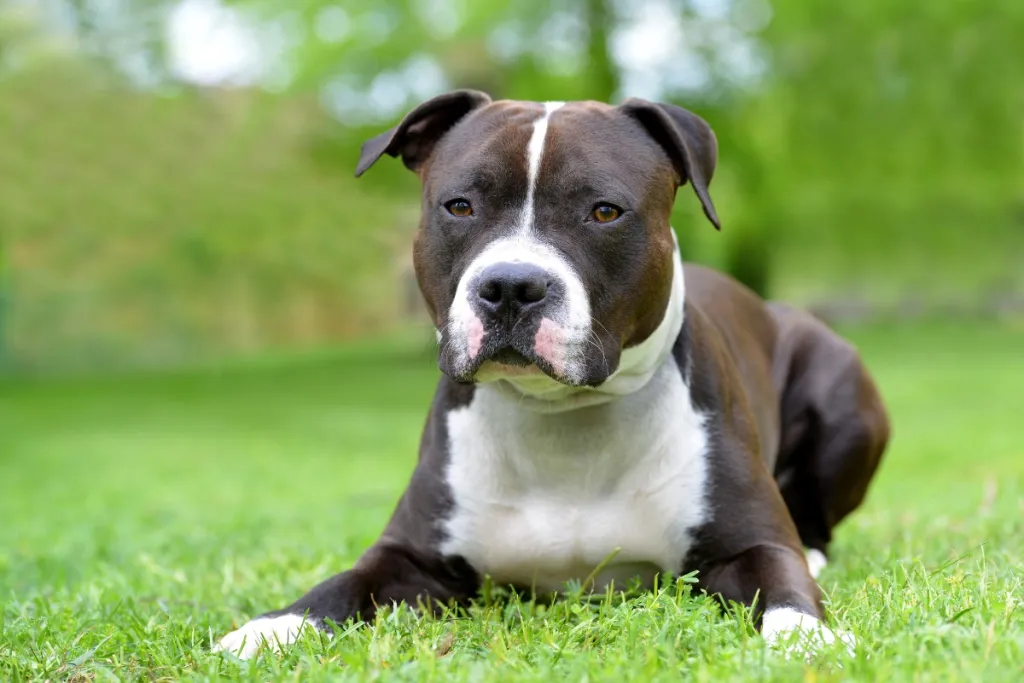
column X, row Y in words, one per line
column 475, row 336
column 549, row 344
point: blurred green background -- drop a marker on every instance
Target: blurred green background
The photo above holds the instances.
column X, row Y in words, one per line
column 176, row 190
column 177, row 174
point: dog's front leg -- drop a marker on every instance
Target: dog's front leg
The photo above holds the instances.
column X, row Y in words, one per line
column 386, row 574
column 776, row 580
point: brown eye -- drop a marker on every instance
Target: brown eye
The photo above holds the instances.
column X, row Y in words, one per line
column 460, row 208
column 605, row 213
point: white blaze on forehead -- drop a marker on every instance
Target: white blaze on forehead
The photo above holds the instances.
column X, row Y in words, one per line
column 534, row 153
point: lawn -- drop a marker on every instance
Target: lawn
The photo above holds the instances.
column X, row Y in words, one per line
column 141, row 515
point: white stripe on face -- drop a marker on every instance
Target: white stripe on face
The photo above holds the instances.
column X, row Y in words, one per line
column 534, row 152
column 567, row 325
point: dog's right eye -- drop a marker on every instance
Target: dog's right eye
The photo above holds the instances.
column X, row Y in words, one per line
column 460, row 208
column 605, row 213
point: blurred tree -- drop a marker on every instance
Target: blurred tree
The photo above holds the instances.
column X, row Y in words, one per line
column 900, row 128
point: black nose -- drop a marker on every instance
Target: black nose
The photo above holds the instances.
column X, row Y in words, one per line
column 506, row 289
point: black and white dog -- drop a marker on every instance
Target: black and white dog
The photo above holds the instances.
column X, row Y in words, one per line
column 598, row 398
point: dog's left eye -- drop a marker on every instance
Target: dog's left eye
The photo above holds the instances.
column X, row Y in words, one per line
column 460, row 208
column 605, row 213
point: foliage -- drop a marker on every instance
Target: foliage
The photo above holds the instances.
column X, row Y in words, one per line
column 164, row 227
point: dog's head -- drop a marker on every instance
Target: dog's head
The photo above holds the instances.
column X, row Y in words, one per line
column 544, row 246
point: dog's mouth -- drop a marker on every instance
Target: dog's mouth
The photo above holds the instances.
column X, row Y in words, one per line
column 507, row 363
column 511, row 357
column 504, row 357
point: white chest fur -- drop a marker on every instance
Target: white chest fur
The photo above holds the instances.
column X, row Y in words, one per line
column 541, row 499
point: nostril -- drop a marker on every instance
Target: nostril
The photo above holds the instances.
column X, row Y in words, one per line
column 490, row 290
column 531, row 291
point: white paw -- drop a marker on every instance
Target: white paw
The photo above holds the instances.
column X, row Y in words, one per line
column 270, row 632
column 816, row 561
column 796, row 632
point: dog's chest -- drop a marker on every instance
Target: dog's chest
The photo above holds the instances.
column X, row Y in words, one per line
column 541, row 499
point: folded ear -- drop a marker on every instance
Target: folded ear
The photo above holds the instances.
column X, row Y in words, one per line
column 688, row 140
column 414, row 138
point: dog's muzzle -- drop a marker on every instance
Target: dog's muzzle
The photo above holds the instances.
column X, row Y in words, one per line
column 510, row 324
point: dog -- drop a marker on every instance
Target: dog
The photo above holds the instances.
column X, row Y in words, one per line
column 598, row 398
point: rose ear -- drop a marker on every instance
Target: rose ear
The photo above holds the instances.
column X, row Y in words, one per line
column 414, row 138
column 689, row 142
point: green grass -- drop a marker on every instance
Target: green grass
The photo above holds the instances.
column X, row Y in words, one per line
column 141, row 515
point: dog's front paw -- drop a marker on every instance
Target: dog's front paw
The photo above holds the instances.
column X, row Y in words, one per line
column 263, row 632
column 794, row 632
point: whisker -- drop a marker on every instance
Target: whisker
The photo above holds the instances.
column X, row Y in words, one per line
column 595, row 320
column 595, row 342
column 513, row 330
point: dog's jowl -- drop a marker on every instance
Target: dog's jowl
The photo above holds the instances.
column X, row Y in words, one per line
column 599, row 399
